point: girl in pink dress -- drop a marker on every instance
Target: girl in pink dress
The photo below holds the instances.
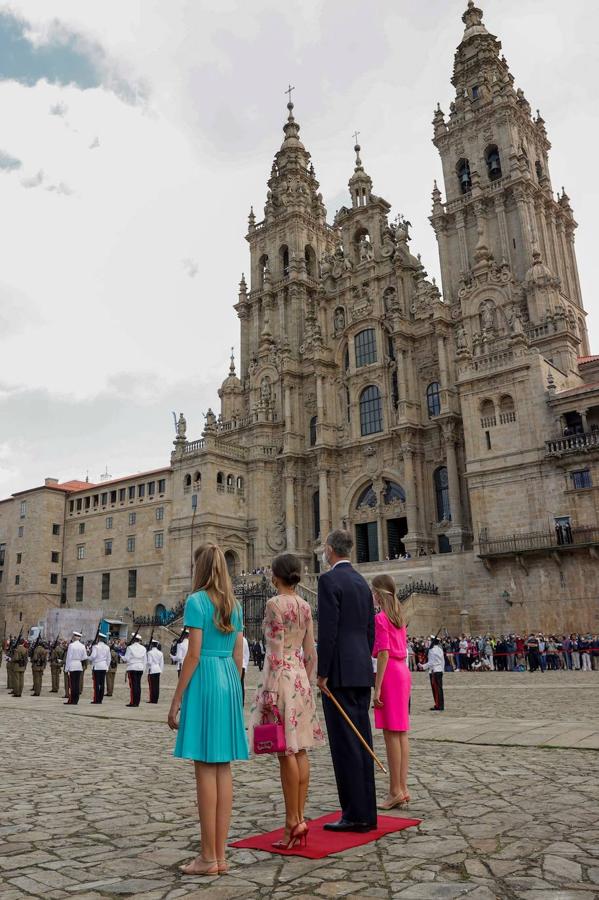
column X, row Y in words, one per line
column 392, row 687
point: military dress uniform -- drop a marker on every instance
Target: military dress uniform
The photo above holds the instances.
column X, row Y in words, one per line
column 56, row 663
column 100, row 660
column 19, row 664
column 110, row 675
column 76, row 655
column 135, row 657
column 436, row 666
column 39, row 660
column 155, row 663
column 9, row 678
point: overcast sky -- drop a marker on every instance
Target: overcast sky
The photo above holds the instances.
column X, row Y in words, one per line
column 135, row 135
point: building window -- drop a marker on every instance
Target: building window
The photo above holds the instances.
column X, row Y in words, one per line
column 132, row 492
column 17, row 579
column 87, row 502
column 346, row 360
column 71, row 505
column 104, row 498
column 19, row 558
column 21, row 531
column 442, row 494
column 113, row 496
column 132, row 583
column 371, row 411
column 313, row 424
column 105, row 585
column 23, row 509
column 2, row 554
column 122, row 495
column 161, row 485
column 55, row 529
column 316, row 514
column 365, row 344
column 159, row 513
column 109, row 522
column 367, row 498
column 96, row 501
column 131, row 544
column 433, row 399
column 464, row 177
column 239, row 484
column 159, row 540
column 507, row 410
column 493, row 163
column 132, row 518
column 79, row 504
column 107, row 548
column 53, row 578
column 79, row 589
column 81, row 527
column 80, row 551
column 581, row 479
column 141, row 491
column 54, row 556
column 151, row 487
column 475, row 92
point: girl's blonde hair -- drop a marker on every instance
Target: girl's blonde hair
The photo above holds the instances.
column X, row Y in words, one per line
column 384, row 588
column 211, row 575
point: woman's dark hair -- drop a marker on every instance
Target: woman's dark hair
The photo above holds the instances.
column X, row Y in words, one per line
column 288, row 568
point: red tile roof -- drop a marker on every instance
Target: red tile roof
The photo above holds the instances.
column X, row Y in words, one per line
column 581, row 389
column 71, row 486
column 587, row 359
column 101, row 485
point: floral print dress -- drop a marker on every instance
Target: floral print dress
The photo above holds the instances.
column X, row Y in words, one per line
column 288, row 633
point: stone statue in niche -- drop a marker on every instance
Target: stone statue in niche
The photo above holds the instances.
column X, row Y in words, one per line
column 339, row 319
column 181, row 427
column 388, row 245
column 265, row 390
column 389, row 299
column 366, row 250
column 515, row 319
column 487, row 316
column 460, row 338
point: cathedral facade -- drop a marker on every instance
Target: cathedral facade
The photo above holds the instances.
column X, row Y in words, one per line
column 453, row 428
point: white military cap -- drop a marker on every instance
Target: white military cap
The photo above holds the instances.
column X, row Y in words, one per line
column 138, row 637
column 76, row 634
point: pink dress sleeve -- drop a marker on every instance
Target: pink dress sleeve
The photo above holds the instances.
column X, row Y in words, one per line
column 381, row 634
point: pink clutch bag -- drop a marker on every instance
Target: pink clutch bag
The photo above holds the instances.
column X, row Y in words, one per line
column 269, row 737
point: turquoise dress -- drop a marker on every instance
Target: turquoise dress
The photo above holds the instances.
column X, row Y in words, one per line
column 211, row 726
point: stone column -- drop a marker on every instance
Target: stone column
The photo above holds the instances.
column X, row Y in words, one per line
column 568, row 286
column 446, row 281
column 443, row 372
column 323, row 491
column 453, row 478
column 583, row 418
column 402, row 387
column 503, row 233
column 411, row 493
column 290, row 513
column 525, row 224
column 287, row 407
column 460, row 222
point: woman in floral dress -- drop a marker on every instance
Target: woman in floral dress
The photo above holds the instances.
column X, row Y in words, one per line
column 289, row 666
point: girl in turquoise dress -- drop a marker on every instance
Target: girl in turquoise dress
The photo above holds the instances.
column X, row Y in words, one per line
column 210, row 730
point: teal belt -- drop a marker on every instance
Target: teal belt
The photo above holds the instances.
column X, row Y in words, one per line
column 222, row 653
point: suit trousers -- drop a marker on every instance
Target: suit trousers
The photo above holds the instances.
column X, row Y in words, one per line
column 154, row 687
column 437, row 689
column 75, row 679
column 99, row 683
column 110, row 676
column 135, row 686
column 353, row 765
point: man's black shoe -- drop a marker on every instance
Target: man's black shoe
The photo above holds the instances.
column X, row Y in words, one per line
column 344, row 825
column 437, row 709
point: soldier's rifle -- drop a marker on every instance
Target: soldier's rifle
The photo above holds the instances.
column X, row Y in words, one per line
column 149, row 644
column 16, row 642
column 35, row 646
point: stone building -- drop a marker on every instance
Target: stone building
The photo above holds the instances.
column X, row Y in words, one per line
column 456, row 425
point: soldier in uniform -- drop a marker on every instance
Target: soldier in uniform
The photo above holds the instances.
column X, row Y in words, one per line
column 65, row 647
column 9, row 681
column 110, row 675
column 100, row 660
column 56, row 663
column 155, row 664
column 39, row 661
column 19, row 664
column 135, row 657
column 76, row 655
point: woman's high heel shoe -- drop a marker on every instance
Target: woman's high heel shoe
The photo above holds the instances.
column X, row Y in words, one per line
column 298, row 837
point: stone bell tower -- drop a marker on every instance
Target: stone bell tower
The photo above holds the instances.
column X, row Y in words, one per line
column 506, row 244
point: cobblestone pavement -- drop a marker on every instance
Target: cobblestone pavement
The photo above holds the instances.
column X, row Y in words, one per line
column 94, row 806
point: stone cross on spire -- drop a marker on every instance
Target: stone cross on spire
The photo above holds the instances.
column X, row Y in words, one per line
column 288, row 91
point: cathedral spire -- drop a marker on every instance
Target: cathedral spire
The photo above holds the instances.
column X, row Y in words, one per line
column 473, row 20
column 360, row 184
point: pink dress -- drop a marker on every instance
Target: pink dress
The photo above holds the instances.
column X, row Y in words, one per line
column 397, row 681
column 288, row 634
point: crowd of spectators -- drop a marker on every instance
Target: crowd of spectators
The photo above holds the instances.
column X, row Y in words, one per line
column 512, row 652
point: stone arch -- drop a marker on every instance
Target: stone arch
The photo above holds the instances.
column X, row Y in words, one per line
column 487, row 413
column 284, row 260
column 160, row 612
column 507, row 409
column 232, row 561
column 311, row 261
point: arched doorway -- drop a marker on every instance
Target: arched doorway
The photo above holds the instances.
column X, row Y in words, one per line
column 160, row 612
column 231, row 560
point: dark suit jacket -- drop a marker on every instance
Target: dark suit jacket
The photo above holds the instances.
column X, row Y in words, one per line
column 345, row 628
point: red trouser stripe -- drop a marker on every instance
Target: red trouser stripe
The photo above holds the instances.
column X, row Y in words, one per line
column 130, row 688
column 150, row 689
column 435, row 691
column 94, row 687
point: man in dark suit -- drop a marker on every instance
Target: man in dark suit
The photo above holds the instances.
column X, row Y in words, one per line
column 345, row 641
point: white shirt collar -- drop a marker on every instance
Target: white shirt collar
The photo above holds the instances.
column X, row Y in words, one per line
column 341, row 562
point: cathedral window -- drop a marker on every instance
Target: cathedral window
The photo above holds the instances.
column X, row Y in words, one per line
column 262, row 267
column 441, row 482
column 493, row 163
column 393, row 492
column 346, row 360
column 475, row 92
column 507, row 410
column 230, row 484
column 348, row 404
column 487, row 414
column 365, row 343
column 310, row 258
column 391, row 347
column 313, row 424
column 581, row 479
column 239, row 484
column 367, row 498
column 371, row 411
column 187, row 482
column 433, row 399
column 394, row 390
column 464, row 177
column 284, row 260
column 538, row 170
column 220, row 478
column 197, row 477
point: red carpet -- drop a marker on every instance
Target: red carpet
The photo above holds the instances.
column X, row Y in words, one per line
column 322, row 843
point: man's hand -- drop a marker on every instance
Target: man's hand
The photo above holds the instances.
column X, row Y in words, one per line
column 321, row 683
